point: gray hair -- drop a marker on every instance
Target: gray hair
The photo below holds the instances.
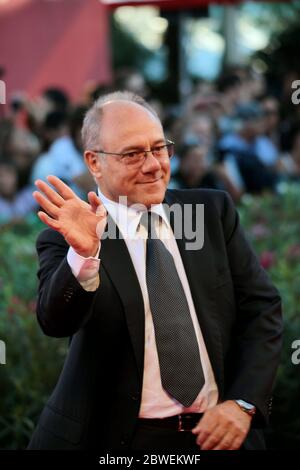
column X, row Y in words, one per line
column 90, row 132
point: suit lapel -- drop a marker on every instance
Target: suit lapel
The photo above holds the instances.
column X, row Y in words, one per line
column 200, row 271
column 118, row 264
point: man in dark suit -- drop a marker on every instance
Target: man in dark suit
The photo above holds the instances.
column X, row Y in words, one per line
column 173, row 344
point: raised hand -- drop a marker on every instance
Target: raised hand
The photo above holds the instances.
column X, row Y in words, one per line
column 81, row 223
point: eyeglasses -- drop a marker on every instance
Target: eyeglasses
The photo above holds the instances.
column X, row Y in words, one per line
column 137, row 157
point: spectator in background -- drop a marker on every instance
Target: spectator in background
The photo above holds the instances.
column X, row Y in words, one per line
column 229, row 88
column 270, row 108
column 200, row 127
column 14, row 203
column 194, row 168
column 253, row 86
column 57, row 99
column 92, row 91
column 51, row 100
column 6, row 128
column 23, row 148
column 63, row 158
column 195, row 171
column 132, row 80
column 173, row 125
column 250, row 158
column 289, row 165
column 83, row 180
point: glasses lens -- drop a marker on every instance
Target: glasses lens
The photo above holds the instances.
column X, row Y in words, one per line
column 134, row 158
column 170, row 147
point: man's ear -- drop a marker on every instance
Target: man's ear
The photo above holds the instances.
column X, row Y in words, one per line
column 93, row 162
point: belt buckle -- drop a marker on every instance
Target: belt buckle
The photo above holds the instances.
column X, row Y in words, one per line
column 180, row 425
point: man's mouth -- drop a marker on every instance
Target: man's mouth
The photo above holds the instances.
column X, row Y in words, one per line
column 151, row 181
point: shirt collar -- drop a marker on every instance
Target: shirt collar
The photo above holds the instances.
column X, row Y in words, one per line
column 127, row 218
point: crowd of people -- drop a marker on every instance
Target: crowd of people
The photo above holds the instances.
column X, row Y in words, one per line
column 231, row 135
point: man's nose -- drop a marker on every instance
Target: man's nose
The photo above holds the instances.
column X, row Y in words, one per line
column 150, row 164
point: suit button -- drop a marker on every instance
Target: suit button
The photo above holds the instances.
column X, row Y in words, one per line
column 134, row 397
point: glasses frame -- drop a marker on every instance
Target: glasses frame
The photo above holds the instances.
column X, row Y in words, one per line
column 169, row 144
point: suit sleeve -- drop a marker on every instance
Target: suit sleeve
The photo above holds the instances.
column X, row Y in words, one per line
column 256, row 343
column 63, row 305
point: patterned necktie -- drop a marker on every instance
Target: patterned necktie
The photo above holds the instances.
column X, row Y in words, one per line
column 178, row 352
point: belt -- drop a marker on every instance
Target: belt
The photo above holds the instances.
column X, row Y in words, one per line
column 182, row 422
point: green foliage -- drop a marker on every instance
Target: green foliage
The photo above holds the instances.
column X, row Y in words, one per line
column 34, row 361
column 273, row 225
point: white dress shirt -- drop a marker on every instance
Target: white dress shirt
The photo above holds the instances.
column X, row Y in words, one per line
column 155, row 402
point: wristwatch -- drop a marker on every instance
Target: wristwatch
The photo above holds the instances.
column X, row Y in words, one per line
column 246, row 407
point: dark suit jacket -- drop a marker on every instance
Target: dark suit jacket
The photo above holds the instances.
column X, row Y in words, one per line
column 96, row 401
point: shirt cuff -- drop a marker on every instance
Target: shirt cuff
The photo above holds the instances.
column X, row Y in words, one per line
column 84, row 269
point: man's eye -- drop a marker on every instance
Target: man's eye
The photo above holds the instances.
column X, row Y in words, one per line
column 132, row 154
column 159, row 149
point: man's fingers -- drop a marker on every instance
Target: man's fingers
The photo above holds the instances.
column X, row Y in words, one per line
column 48, row 221
column 230, row 441
column 203, row 423
column 52, row 195
column 237, row 443
column 197, row 429
column 61, row 187
column 45, row 204
column 93, row 198
column 225, row 444
column 208, row 441
column 96, row 204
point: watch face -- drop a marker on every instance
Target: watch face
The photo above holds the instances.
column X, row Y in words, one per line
column 246, row 405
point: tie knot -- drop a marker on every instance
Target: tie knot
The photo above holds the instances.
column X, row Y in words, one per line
column 148, row 221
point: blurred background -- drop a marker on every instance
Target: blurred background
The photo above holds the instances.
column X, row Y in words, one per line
column 224, row 77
